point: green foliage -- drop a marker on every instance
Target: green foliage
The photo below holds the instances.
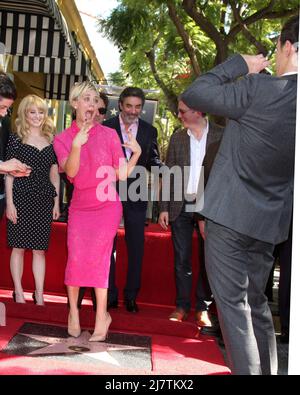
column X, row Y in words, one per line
column 142, row 27
column 119, row 78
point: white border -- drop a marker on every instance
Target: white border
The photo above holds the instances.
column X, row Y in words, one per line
column 294, row 345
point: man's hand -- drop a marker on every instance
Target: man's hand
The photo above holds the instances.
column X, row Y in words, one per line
column 163, row 220
column 202, row 228
column 15, row 168
column 256, row 63
column 20, row 173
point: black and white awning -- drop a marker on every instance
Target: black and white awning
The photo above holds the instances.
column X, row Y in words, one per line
column 58, row 86
column 35, row 32
column 47, row 65
column 35, row 28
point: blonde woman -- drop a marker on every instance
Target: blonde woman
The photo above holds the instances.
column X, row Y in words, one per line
column 83, row 151
column 31, row 202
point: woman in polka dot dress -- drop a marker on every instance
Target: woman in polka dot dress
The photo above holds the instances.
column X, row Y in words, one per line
column 31, row 202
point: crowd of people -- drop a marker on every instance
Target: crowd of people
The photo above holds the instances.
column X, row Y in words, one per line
column 248, row 179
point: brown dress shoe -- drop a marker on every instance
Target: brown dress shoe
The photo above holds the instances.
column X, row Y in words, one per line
column 178, row 315
column 202, row 318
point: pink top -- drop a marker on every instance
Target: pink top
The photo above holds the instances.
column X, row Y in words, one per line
column 102, row 151
column 93, row 221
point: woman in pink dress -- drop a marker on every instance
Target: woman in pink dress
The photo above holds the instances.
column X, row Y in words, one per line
column 91, row 155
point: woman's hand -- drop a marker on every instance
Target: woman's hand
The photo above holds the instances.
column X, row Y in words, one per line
column 56, row 211
column 11, row 213
column 132, row 144
column 83, row 135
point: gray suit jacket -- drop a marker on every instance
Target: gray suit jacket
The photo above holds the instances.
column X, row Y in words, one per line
column 179, row 155
column 250, row 188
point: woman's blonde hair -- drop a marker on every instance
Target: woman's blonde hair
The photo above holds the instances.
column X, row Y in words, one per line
column 79, row 88
column 22, row 127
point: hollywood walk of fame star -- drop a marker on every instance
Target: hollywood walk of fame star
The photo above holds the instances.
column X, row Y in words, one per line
column 71, row 346
column 113, row 112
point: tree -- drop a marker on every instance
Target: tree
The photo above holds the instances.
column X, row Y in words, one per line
column 168, row 43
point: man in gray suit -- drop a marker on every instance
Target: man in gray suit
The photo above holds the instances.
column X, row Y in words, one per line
column 187, row 148
column 248, row 197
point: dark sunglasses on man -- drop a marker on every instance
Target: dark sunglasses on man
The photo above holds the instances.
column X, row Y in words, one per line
column 102, row 110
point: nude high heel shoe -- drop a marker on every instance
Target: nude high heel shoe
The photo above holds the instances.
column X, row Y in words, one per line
column 18, row 298
column 73, row 330
column 38, row 301
column 102, row 331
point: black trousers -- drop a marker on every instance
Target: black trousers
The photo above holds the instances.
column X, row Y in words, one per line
column 134, row 224
column 182, row 236
column 238, row 267
column 284, row 292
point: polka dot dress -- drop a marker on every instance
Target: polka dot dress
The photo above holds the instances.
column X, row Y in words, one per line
column 33, row 196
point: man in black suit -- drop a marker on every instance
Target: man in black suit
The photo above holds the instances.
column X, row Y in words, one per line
column 131, row 102
column 8, row 95
column 249, row 194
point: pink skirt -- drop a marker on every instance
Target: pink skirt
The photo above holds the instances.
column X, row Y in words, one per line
column 92, row 227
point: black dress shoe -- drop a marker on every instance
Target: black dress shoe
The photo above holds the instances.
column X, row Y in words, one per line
column 284, row 337
column 112, row 304
column 131, row 306
column 213, row 330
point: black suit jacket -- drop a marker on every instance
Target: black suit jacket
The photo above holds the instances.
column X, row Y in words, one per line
column 147, row 139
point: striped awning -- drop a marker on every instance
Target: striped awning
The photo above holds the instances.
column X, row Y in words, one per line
column 61, row 74
column 49, row 65
column 35, row 32
column 58, row 86
column 35, row 28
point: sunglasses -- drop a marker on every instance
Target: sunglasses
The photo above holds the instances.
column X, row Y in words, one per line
column 102, row 110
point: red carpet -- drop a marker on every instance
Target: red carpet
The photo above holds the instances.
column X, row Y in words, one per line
column 177, row 348
column 170, row 356
column 158, row 284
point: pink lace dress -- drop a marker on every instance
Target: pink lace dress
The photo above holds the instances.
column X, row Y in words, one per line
column 95, row 211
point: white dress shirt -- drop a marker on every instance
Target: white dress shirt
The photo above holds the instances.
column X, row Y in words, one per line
column 197, row 154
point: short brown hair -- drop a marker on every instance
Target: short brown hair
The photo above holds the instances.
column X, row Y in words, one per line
column 290, row 31
column 7, row 87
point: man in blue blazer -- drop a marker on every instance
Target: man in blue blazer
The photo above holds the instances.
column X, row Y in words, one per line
column 249, row 194
column 131, row 102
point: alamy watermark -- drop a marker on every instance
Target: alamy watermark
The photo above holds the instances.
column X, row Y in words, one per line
column 163, row 184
